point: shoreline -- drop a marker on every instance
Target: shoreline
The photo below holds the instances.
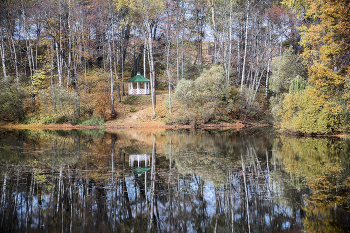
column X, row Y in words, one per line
column 136, row 125
column 156, row 125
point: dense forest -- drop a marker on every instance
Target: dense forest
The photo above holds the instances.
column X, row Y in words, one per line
column 68, row 60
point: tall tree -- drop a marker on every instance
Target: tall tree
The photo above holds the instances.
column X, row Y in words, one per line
column 326, row 42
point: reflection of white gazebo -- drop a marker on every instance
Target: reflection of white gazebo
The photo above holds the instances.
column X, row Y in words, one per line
column 139, row 158
column 135, row 85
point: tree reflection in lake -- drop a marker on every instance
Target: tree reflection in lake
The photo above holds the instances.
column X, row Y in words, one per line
column 195, row 182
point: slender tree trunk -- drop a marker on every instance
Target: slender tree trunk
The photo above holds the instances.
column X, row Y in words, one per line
column 245, row 49
column 2, row 50
column 116, row 60
column 268, row 62
column 144, row 58
column 123, row 57
column 59, row 66
column 182, row 55
column 167, row 65
column 16, row 62
column 111, row 79
column 59, row 54
column 29, row 57
column 69, row 46
column 238, row 59
column 214, row 32
column 230, row 47
column 114, row 115
column 177, row 54
column 152, row 71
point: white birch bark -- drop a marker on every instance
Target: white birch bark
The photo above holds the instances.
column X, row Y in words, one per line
column 245, row 47
column 2, row 51
column 151, row 62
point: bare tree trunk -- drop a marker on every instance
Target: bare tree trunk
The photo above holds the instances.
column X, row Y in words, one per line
column 111, row 79
column 59, row 65
column 69, row 46
column 268, row 63
column 151, row 62
column 113, row 113
column 229, row 47
column 214, row 32
column 29, row 57
column 51, row 60
column 238, row 58
column 144, row 58
column 116, row 72
column 177, row 54
column 2, row 51
column 59, row 53
column 123, row 56
column 167, row 70
column 182, row 56
column 16, row 62
column 245, row 48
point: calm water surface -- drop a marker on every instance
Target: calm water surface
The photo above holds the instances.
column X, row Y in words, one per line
column 131, row 181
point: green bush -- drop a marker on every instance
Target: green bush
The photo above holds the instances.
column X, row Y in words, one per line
column 31, row 120
column 297, row 84
column 11, row 101
column 53, row 120
column 58, row 101
column 306, row 112
column 284, row 68
column 93, row 121
column 136, row 99
column 205, row 98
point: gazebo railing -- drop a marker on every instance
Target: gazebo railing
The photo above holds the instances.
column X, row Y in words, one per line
column 139, row 92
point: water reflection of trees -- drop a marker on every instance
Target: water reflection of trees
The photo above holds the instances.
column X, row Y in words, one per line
column 78, row 182
column 320, row 167
column 234, row 174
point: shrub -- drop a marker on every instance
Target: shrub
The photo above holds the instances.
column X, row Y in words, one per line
column 284, row 69
column 93, row 121
column 131, row 99
column 60, row 102
column 11, row 101
column 307, row 113
column 297, row 84
column 103, row 107
column 201, row 100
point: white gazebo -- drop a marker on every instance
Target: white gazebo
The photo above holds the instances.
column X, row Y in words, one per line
column 135, row 86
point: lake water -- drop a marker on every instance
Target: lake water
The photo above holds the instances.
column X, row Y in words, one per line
column 172, row 181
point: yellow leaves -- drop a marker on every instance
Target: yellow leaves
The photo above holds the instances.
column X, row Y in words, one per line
column 150, row 7
column 39, row 77
column 310, row 111
column 325, row 42
column 298, row 6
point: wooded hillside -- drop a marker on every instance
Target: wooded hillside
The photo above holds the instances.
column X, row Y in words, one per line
column 70, row 59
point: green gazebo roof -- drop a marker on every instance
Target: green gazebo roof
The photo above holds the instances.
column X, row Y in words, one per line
column 139, row 171
column 138, row 78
